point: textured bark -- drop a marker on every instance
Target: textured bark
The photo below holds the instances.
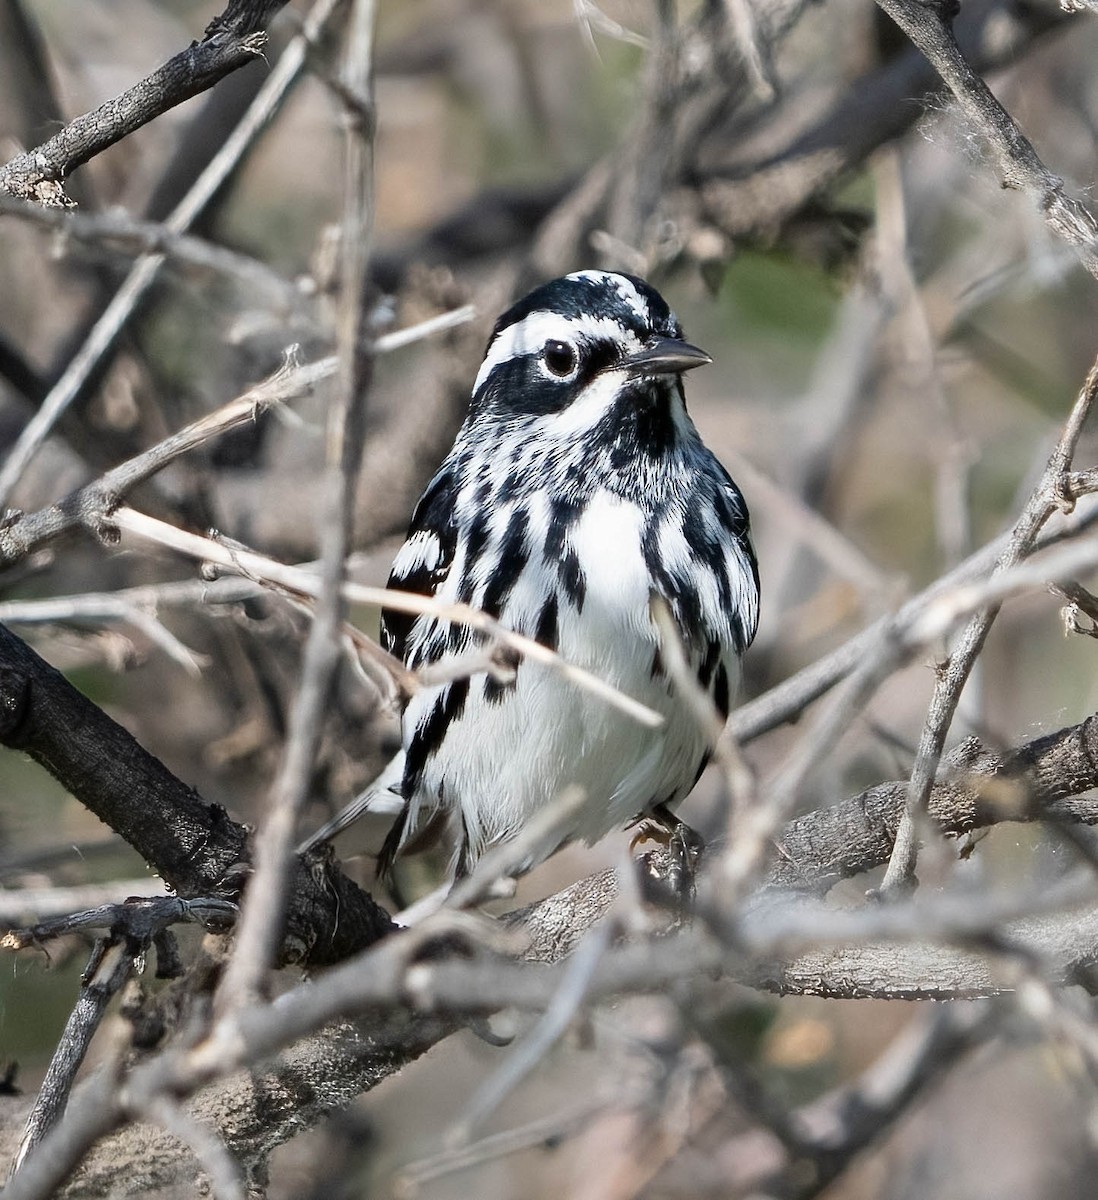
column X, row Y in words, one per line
column 194, row 846
column 232, row 40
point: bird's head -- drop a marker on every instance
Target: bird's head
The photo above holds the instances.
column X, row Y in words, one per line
column 593, row 352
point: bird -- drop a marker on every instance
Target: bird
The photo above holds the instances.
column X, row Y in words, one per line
column 577, row 492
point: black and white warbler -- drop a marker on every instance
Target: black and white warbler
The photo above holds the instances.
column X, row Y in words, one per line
column 577, row 488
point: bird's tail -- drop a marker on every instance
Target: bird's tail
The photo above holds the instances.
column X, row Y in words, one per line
column 382, row 796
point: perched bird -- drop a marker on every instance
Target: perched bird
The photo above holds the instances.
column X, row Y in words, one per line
column 577, row 490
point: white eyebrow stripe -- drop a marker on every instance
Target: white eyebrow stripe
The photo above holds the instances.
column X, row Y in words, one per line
column 535, row 329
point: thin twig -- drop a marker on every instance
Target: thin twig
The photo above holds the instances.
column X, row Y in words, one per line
column 111, row 963
column 545, row 1131
column 294, row 579
column 260, row 929
column 93, row 504
column 789, row 699
column 145, row 270
column 550, row 1027
column 1018, row 163
column 136, row 237
column 1048, row 497
column 40, row 904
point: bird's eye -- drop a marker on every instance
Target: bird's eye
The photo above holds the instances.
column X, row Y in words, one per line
column 560, row 358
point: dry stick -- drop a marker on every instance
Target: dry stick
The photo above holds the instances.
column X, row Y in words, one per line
column 387, row 979
column 1017, row 161
column 827, row 1132
column 373, row 984
column 141, row 918
column 952, row 518
column 536, row 1044
column 792, row 696
column 112, row 962
column 133, row 926
column 897, row 640
column 93, row 504
column 260, row 929
column 864, row 969
column 136, row 237
column 231, row 40
column 147, row 598
column 144, row 271
column 194, row 846
column 742, row 863
column 19, row 905
column 295, row 579
column 61, row 610
column 545, row 1132
column 1050, row 495
column 947, row 600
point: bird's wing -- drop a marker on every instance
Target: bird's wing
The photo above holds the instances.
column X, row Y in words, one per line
column 422, row 563
column 742, row 565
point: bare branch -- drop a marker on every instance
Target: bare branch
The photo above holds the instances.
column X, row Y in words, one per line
column 1018, row 164
column 260, row 931
column 193, row 846
column 294, row 579
column 789, row 699
column 129, row 235
column 93, row 505
column 1049, row 496
column 232, row 41
column 145, row 270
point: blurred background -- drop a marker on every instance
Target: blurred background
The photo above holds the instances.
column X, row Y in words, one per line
column 896, row 342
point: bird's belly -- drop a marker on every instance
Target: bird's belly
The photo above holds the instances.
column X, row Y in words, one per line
column 509, row 757
column 512, row 752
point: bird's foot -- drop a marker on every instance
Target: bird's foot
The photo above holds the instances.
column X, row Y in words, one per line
column 684, row 846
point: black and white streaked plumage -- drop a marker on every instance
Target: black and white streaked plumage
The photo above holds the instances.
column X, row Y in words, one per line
column 576, row 489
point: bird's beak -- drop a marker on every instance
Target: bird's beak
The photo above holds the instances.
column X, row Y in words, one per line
column 666, row 356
